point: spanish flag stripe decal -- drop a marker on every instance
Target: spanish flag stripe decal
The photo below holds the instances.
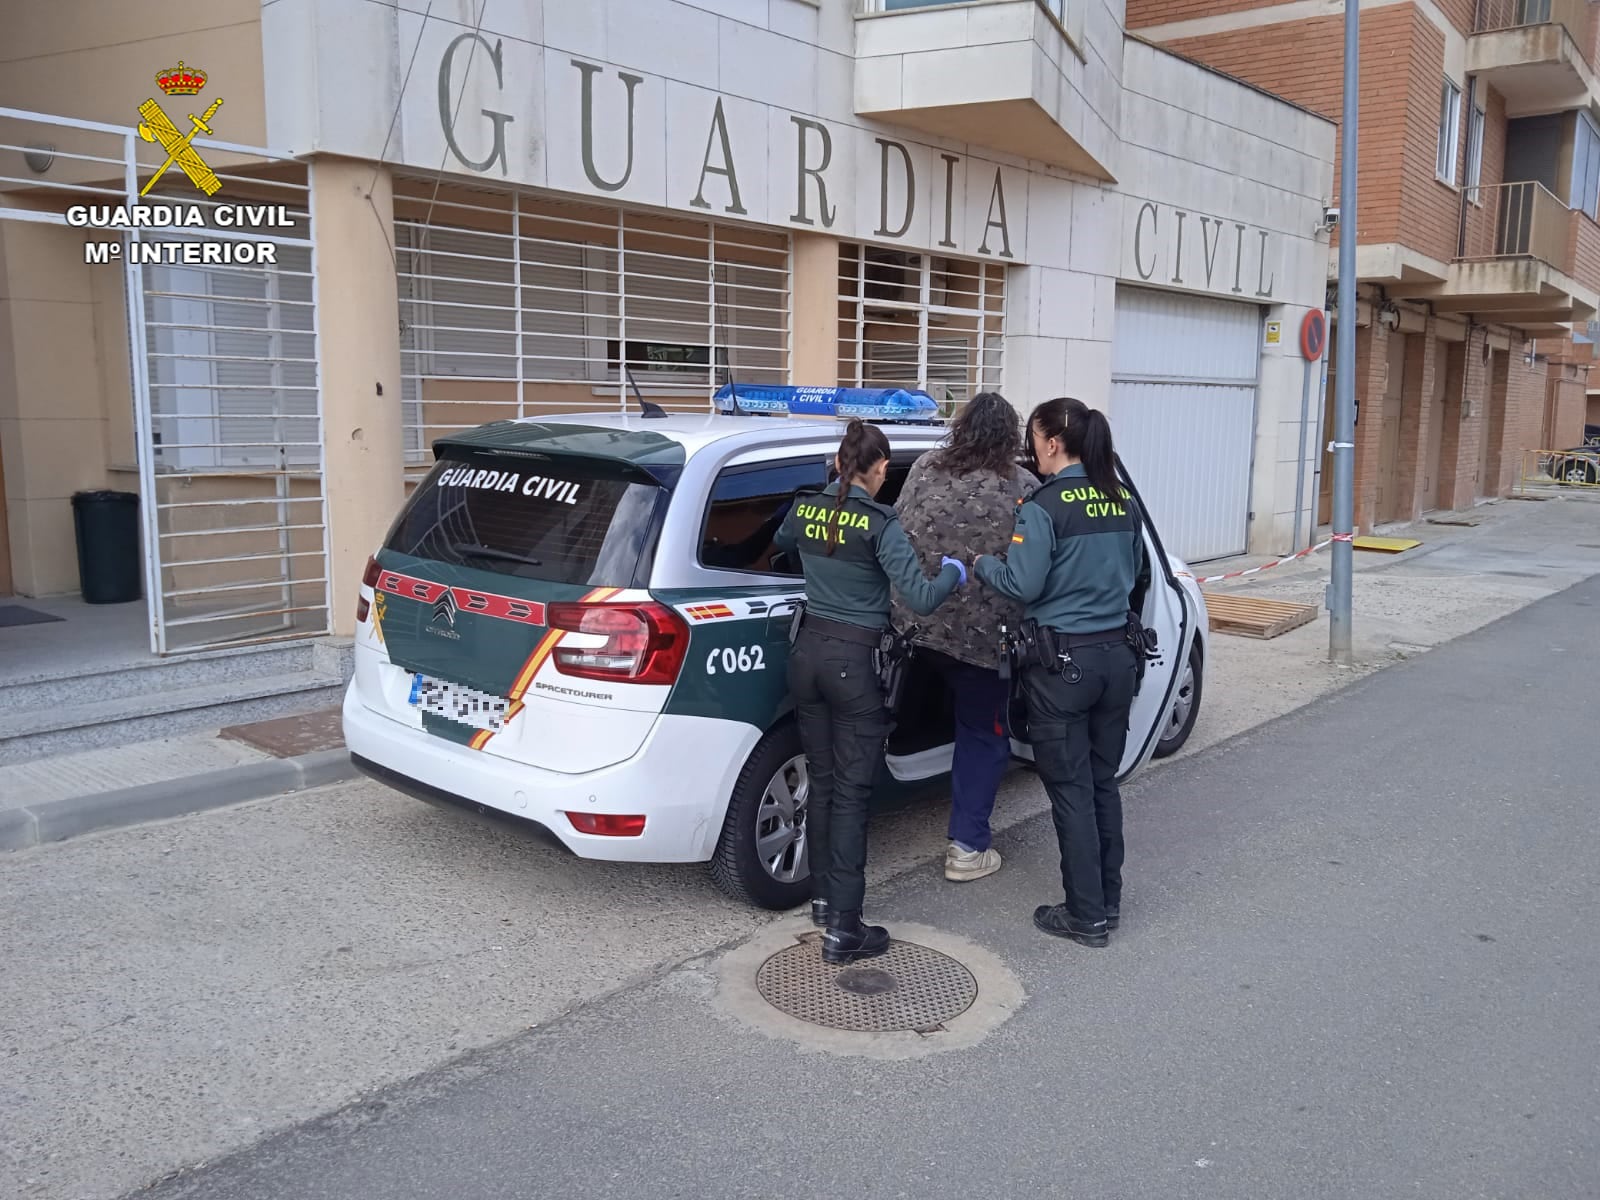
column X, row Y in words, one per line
column 1015, row 538
column 541, row 653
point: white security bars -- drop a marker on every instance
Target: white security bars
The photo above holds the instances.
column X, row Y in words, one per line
column 920, row 321
column 226, row 422
column 513, row 304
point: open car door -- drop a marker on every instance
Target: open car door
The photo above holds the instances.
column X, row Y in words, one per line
column 1165, row 608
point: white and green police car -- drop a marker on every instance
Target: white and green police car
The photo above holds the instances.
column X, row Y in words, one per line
column 578, row 621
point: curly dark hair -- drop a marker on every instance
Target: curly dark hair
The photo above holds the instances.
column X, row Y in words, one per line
column 986, row 435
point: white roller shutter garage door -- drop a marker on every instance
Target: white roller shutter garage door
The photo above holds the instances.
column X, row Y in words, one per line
column 1183, row 413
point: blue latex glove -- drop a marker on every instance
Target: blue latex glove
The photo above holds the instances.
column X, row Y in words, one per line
column 958, row 564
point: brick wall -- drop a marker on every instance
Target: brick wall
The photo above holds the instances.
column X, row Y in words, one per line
column 1142, row 14
column 1424, row 361
column 1402, row 68
column 1464, row 422
column 1524, row 413
column 1372, row 373
column 1569, row 409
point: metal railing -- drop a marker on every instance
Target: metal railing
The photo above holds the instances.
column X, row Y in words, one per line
column 1568, row 468
column 1516, row 220
column 1495, row 15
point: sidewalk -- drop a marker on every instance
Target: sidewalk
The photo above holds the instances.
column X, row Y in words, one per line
column 51, row 799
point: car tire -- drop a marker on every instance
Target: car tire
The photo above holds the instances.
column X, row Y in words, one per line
column 1187, row 705
column 757, row 811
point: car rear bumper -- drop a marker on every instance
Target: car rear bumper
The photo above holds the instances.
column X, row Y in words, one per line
column 680, row 779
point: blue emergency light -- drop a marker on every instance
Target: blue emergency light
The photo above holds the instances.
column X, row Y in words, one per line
column 870, row 404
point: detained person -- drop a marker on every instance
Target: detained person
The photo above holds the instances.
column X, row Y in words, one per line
column 852, row 550
column 962, row 500
column 1075, row 559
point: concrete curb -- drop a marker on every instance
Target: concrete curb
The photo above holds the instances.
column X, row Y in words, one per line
column 58, row 820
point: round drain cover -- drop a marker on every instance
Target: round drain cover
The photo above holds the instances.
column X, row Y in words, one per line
column 909, row 988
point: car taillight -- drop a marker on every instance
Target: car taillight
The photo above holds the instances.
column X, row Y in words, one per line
column 369, row 578
column 626, row 643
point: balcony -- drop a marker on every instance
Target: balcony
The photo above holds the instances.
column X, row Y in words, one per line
column 1536, row 53
column 1011, row 74
column 1527, row 260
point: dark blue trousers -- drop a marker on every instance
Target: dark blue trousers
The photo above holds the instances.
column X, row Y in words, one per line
column 982, row 751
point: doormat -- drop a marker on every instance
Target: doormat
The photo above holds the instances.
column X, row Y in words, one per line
column 290, row 737
column 15, row 614
column 1386, row 545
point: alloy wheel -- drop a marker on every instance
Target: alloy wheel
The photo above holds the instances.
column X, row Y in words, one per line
column 781, row 823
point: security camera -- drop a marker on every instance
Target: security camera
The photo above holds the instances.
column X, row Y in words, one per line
column 1330, row 218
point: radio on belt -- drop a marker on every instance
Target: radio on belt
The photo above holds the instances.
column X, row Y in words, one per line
column 887, row 405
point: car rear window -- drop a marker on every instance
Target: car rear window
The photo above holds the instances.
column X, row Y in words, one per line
column 560, row 520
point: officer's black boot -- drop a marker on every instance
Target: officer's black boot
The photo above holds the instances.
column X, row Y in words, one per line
column 847, row 939
column 819, row 913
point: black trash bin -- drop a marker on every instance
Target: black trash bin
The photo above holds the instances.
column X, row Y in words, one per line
column 110, row 567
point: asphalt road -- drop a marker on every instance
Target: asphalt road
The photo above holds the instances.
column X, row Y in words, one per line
column 1358, row 959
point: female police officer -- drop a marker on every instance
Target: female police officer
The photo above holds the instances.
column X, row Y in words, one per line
column 1076, row 556
column 851, row 550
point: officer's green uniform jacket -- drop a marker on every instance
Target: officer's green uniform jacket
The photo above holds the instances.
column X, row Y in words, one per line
column 1075, row 556
column 852, row 584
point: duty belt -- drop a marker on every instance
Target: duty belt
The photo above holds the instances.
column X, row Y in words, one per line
column 842, row 630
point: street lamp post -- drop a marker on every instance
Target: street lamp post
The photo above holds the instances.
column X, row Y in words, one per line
column 1344, row 421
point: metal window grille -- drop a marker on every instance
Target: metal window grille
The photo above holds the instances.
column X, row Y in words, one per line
column 913, row 320
column 513, row 304
column 222, row 366
column 235, row 433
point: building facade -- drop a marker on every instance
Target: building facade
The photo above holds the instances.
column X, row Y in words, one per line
column 1479, row 252
column 501, row 209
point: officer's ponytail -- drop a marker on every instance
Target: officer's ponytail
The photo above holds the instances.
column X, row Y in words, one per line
column 863, row 447
column 1085, row 435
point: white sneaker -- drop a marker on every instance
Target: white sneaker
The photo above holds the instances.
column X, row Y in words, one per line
column 962, row 866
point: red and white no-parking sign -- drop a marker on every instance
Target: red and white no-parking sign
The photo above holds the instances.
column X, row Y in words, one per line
column 1313, row 335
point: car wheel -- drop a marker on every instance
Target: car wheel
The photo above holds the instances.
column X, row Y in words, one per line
column 762, row 857
column 1186, row 707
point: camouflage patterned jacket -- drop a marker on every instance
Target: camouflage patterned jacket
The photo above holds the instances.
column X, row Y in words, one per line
column 962, row 517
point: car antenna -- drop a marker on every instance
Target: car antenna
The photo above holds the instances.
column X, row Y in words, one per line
column 650, row 410
column 733, row 391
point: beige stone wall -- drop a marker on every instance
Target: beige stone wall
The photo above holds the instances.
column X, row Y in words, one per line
column 97, row 59
column 57, row 362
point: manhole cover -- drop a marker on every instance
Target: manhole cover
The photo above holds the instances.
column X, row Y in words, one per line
column 909, row 988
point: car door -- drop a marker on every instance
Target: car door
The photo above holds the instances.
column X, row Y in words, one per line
column 1167, row 610
column 739, row 617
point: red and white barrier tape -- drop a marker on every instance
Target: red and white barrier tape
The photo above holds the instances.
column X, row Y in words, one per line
column 1338, row 537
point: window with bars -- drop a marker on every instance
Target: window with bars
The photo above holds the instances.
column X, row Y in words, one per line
column 232, row 365
column 511, row 305
column 919, row 321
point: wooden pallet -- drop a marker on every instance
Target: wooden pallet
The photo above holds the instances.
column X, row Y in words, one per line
column 1255, row 616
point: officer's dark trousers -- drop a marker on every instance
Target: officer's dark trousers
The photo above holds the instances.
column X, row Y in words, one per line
column 842, row 729
column 1078, row 731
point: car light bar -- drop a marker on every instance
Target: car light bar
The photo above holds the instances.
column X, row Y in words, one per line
column 870, row 404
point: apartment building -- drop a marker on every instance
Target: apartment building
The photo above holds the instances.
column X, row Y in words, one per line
column 1478, row 249
column 499, row 205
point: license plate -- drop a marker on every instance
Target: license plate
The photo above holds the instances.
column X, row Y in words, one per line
column 458, row 702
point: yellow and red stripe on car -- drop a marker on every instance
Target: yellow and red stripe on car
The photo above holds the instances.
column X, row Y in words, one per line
column 530, row 669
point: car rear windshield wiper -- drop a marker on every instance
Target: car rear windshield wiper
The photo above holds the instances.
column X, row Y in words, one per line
column 473, row 550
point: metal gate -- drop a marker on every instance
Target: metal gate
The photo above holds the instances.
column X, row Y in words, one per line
column 1183, row 410
column 222, row 372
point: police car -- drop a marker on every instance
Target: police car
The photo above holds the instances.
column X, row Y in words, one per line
column 580, row 621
